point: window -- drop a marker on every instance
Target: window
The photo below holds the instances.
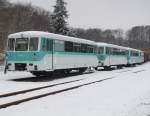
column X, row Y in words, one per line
column 44, row 44
column 76, row 47
column 100, row 50
column 108, row 50
column 47, row 44
column 127, row 52
column 33, row 44
column 123, row 52
column 21, row 44
column 11, row 43
column 83, row 48
column 134, row 53
column 68, row 46
column 90, row 49
column 79, row 47
column 59, row 45
column 115, row 51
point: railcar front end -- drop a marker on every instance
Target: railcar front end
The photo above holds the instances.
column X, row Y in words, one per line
column 135, row 57
column 27, row 53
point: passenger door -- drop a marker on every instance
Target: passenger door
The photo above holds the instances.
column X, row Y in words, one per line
column 47, row 48
column 108, row 53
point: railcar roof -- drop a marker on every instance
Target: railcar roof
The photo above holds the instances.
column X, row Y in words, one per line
column 49, row 35
column 117, row 46
column 110, row 45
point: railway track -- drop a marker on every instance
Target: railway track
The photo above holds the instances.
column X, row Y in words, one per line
column 138, row 71
column 34, row 89
column 15, row 98
column 52, row 92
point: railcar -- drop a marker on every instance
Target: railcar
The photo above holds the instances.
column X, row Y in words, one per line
column 43, row 52
column 135, row 56
column 111, row 55
column 114, row 55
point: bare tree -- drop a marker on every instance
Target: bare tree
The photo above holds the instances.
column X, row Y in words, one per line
column 139, row 37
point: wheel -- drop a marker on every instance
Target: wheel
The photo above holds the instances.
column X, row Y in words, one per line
column 128, row 65
column 38, row 74
column 35, row 73
column 119, row 66
column 81, row 70
column 96, row 68
column 107, row 68
column 67, row 71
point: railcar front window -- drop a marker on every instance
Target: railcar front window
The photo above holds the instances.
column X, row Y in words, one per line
column 33, row 44
column 134, row 53
column 21, row 44
column 47, row 44
column 11, row 44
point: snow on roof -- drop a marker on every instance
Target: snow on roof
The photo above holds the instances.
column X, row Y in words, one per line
column 110, row 45
column 49, row 35
column 116, row 46
column 102, row 44
column 66, row 38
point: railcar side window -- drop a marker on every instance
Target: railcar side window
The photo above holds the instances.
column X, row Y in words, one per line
column 59, row 46
column 68, row 46
column 123, row 52
column 108, row 50
column 90, row 49
column 83, row 48
column 33, row 44
column 116, row 51
column 49, row 45
column 100, row 50
column 76, row 47
column 21, row 44
column 11, row 44
column 127, row 52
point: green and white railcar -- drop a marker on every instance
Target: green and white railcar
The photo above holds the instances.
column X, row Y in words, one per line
column 111, row 55
column 114, row 55
column 41, row 52
column 135, row 56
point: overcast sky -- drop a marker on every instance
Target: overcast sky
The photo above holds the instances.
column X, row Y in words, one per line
column 104, row 14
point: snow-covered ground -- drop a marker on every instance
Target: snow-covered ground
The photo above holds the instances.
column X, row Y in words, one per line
column 126, row 94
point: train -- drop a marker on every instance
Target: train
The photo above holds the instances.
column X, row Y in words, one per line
column 42, row 53
column 114, row 55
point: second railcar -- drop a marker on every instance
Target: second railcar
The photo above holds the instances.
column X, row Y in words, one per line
column 114, row 55
column 111, row 55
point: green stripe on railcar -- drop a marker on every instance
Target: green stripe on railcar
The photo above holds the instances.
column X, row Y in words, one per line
column 25, row 56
